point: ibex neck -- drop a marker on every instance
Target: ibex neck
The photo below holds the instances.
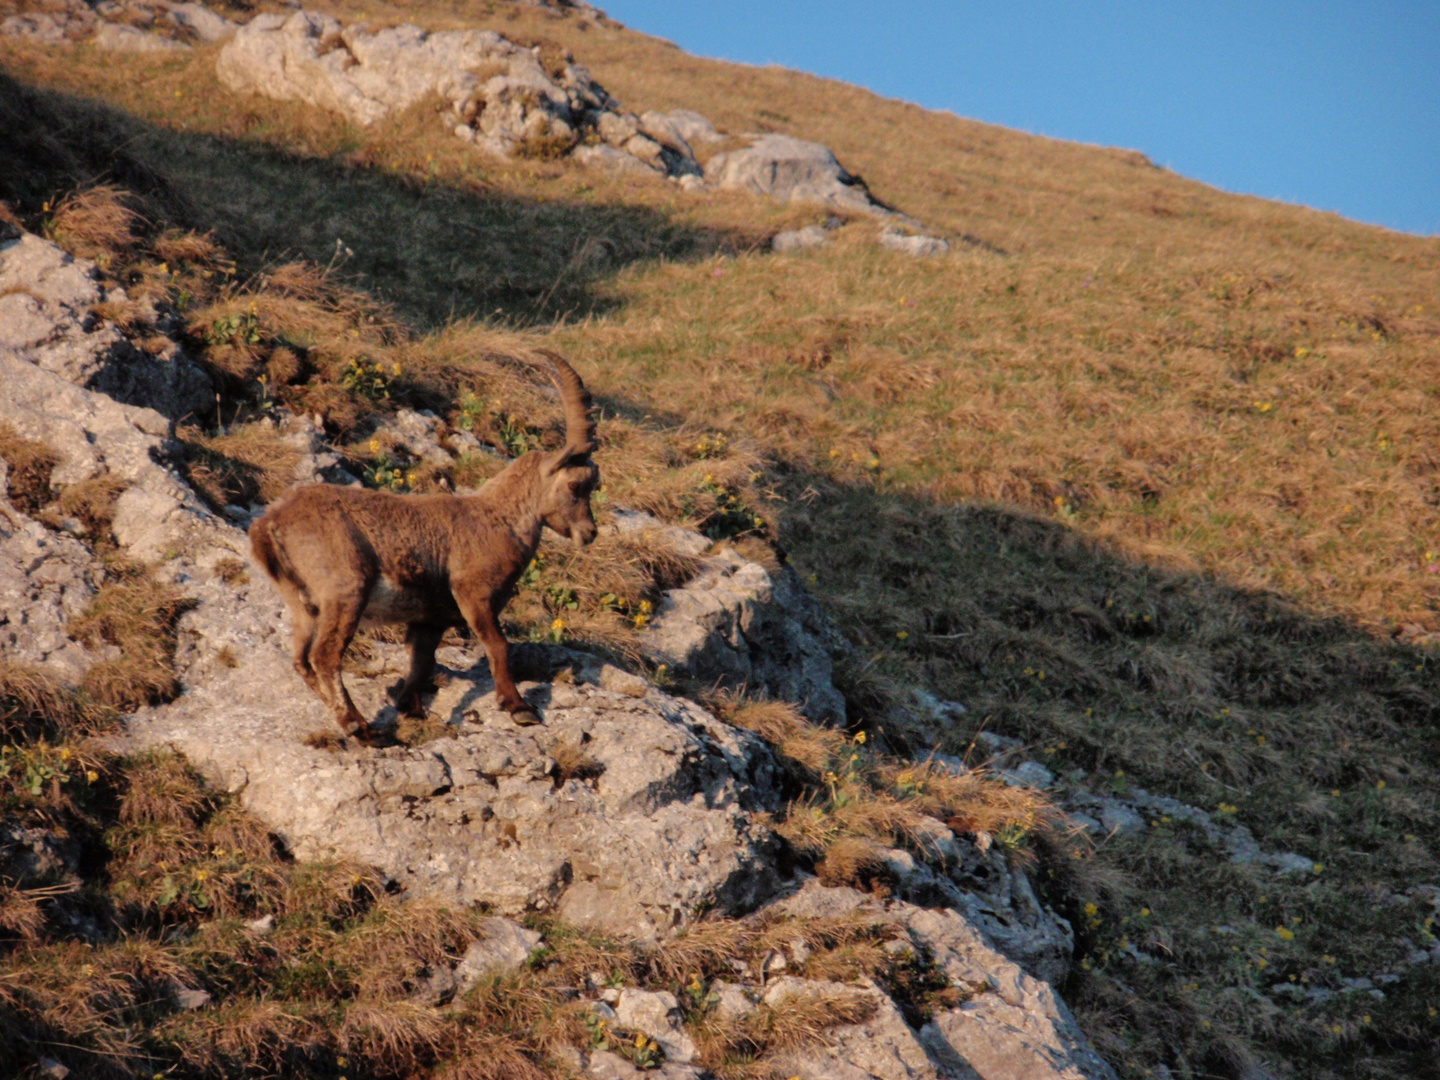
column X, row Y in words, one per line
column 511, row 500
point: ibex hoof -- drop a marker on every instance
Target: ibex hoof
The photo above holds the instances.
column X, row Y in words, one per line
column 525, row 717
column 366, row 735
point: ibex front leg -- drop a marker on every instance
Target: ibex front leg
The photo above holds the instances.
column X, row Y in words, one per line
column 422, row 639
column 480, row 613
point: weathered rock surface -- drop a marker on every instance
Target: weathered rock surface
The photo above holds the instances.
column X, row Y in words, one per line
column 505, row 946
column 627, row 810
column 881, row 1046
column 657, row 1014
column 143, row 26
column 787, row 169
column 485, row 815
column 46, row 579
column 1013, row 1026
column 811, row 236
column 47, row 297
column 504, row 98
column 912, row 244
column 736, row 624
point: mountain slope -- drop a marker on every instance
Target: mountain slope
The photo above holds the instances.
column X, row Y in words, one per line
column 1141, row 471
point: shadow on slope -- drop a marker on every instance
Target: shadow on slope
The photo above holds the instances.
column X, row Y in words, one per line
column 1317, row 736
column 434, row 251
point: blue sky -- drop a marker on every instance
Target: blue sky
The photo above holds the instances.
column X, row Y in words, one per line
column 1333, row 105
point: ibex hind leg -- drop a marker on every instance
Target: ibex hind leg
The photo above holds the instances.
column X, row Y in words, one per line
column 334, row 627
column 423, row 640
column 302, row 633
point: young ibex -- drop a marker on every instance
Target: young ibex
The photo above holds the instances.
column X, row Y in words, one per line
column 341, row 556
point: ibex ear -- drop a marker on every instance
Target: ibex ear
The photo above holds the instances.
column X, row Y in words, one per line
column 568, row 457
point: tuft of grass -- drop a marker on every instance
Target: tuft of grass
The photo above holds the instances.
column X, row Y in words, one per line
column 30, row 463
column 137, row 614
column 34, row 705
column 94, row 221
column 92, row 503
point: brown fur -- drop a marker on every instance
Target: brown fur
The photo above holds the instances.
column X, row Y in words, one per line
column 341, row 556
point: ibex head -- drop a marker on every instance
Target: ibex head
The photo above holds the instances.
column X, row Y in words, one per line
column 569, row 473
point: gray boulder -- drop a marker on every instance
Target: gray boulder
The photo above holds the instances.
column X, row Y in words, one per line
column 504, row 946
column 917, row 245
column 692, row 126
column 791, row 170
column 658, row 1015
column 608, row 158
column 811, row 236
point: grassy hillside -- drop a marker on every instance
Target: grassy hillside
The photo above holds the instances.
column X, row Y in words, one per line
column 1143, row 472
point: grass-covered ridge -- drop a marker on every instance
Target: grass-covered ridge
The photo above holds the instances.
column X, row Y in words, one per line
column 1142, row 472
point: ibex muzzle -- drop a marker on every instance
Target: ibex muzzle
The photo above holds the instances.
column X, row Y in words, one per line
column 342, row 556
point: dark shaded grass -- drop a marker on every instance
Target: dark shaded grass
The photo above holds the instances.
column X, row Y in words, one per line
column 437, row 251
column 1321, row 738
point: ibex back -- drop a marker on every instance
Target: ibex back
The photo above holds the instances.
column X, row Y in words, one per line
column 342, row 556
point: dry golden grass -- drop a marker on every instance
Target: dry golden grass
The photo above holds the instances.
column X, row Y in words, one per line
column 30, row 464
column 136, row 614
column 94, row 221
column 34, row 704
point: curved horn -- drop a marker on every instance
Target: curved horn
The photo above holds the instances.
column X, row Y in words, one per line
column 579, row 424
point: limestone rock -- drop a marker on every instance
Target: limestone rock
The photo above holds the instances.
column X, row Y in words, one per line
column 735, row 624
column 59, row 23
column 141, row 26
column 610, row 159
column 607, row 1066
column 791, row 170
column 657, row 1015
column 505, row 946
column 692, row 126
column 1013, row 1022
column 1028, row 774
column 881, row 1047
column 46, row 297
column 46, row 579
column 158, row 517
column 811, row 236
column 665, row 829
column 524, row 104
column 896, row 240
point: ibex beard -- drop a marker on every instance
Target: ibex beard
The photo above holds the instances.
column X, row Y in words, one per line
column 343, row 557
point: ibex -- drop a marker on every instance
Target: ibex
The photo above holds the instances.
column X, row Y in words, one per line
column 342, row 556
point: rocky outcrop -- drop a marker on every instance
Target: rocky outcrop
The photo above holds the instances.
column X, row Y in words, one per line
column 622, row 812
column 143, row 26
column 48, row 301
column 628, row 810
column 737, row 625
column 1012, row 1025
column 505, row 98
